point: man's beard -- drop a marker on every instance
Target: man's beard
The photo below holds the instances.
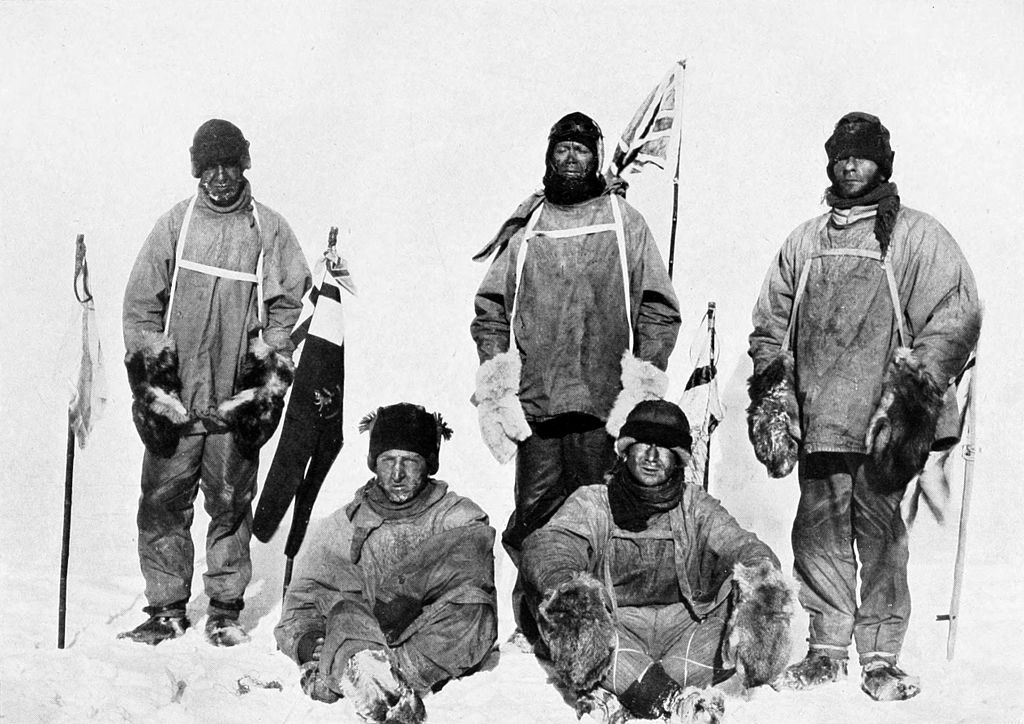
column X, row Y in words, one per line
column 566, row 191
column 225, row 197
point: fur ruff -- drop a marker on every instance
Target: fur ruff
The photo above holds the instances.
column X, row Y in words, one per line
column 502, row 422
column 578, row 630
column 773, row 417
column 902, row 428
column 253, row 413
column 641, row 381
column 378, row 692
column 157, row 410
column 760, row 636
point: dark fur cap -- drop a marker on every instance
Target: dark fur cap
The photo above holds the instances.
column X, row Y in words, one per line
column 860, row 135
column 773, row 417
column 218, row 141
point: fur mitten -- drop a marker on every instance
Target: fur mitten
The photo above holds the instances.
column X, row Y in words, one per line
column 640, row 381
column 773, row 417
column 502, row 422
column 577, row 627
column 902, row 428
column 156, row 391
column 378, row 692
column 253, row 413
column 760, row 638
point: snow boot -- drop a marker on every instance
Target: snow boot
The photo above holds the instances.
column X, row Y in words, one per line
column 165, row 622
column 378, row 692
column 223, row 630
column 816, row 669
column 882, row 680
column 697, row 706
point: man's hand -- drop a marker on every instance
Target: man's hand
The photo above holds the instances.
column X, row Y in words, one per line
column 577, row 627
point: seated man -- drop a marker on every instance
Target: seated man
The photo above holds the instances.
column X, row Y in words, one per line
column 647, row 591
column 394, row 593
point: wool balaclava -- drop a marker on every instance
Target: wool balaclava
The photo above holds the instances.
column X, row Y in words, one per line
column 582, row 129
column 218, row 141
column 405, row 427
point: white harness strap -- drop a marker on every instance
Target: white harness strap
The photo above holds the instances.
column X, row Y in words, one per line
column 801, row 286
column 620, row 239
column 181, row 263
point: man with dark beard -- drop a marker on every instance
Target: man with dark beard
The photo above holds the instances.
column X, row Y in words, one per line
column 647, row 592
column 575, row 312
column 866, row 315
column 208, row 313
column 394, row 593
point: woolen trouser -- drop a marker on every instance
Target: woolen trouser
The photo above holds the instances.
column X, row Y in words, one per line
column 839, row 519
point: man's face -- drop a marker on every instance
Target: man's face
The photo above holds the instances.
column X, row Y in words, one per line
column 223, row 183
column 854, row 176
column 400, row 474
column 572, row 160
column 650, row 464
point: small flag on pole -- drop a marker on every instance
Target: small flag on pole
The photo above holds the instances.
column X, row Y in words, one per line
column 652, row 137
column 311, row 436
column 700, row 400
column 86, row 378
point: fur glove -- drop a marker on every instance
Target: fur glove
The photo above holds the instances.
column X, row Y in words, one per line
column 577, row 627
column 157, row 411
column 773, row 417
column 253, row 413
column 902, row 428
column 378, row 692
column 640, row 381
column 760, row 638
column 502, row 422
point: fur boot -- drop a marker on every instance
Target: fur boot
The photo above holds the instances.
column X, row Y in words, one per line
column 157, row 411
column 760, row 638
column 502, row 422
column 378, row 692
column 577, row 627
column 640, row 381
column 773, row 417
column 902, row 428
column 253, row 413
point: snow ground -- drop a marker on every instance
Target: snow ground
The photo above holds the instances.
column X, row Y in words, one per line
column 415, row 128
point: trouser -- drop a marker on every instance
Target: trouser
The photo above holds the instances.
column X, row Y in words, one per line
column 689, row 651
column 561, row 455
column 210, row 462
column 839, row 509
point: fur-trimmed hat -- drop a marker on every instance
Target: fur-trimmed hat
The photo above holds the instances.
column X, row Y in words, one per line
column 860, row 135
column 659, row 422
column 218, row 141
column 405, row 427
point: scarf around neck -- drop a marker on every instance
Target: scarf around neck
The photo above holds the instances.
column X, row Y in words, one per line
column 387, row 509
column 885, row 201
column 633, row 504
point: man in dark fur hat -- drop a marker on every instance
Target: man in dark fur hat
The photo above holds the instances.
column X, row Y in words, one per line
column 866, row 315
column 208, row 312
column 575, row 321
column 647, row 592
column 394, row 593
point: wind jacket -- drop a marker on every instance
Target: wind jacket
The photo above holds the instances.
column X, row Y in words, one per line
column 571, row 325
column 582, row 537
column 213, row 316
column 845, row 331
column 374, row 575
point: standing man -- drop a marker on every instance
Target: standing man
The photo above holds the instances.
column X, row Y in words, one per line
column 208, row 311
column 576, row 310
column 866, row 315
column 394, row 593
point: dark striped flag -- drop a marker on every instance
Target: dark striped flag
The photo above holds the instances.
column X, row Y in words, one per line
column 652, row 136
column 311, row 435
column 700, row 400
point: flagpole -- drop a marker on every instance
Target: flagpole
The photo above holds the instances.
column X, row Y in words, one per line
column 711, row 361
column 675, row 177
